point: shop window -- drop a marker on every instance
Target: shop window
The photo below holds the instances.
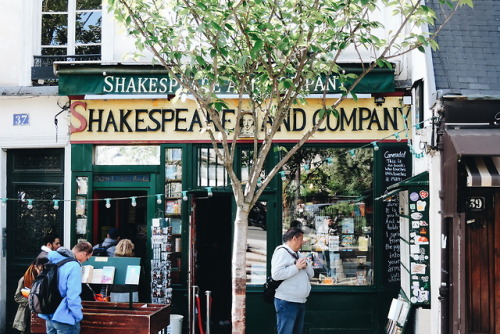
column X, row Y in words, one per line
column 211, row 171
column 328, row 193
column 127, row 155
column 256, row 253
column 247, row 160
column 71, row 27
column 82, row 186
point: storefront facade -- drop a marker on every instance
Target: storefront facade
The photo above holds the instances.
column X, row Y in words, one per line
column 142, row 162
column 470, row 214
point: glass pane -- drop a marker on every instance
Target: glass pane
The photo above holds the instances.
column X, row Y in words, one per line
column 328, row 193
column 54, row 29
column 88, row 4
column 88, row 27
column 88, row 50
column 127, row 155
column 82, row 185
column 54, row 5
column 211, row 171
column 54, row 51
column 257, row 244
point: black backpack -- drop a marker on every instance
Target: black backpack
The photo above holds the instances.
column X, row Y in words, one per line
column 271, row 285
column 44, row 296
column 101, row 250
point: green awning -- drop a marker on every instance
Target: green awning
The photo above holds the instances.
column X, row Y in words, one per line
column 98, row 79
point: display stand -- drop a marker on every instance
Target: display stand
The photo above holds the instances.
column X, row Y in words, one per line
column 399, row 313
column 122, row 267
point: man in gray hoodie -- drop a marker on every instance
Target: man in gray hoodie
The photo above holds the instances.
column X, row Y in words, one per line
column 291, row 266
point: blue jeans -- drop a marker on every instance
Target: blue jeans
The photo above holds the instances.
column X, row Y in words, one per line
column 54, row 327
column 290, row 316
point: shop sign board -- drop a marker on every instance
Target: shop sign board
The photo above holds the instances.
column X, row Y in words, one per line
column 161, row 120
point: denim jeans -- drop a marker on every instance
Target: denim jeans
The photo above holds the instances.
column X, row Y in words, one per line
column 290, row 316
column 54, row 327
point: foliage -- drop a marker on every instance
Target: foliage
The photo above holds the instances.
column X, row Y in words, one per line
column 267, row 50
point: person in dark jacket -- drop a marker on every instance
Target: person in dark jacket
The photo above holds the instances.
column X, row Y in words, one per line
column 111, row 240
column 49, row 243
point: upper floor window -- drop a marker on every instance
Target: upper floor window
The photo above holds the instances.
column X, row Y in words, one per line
column 71, row 27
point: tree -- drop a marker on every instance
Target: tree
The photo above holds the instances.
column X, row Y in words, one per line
column 267, row 50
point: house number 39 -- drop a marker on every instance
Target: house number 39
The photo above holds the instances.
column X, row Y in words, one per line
column 476, row 203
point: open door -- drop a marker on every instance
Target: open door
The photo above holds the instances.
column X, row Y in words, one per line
column 130, row 220
column 210, row 263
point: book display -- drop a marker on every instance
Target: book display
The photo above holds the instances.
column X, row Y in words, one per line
column 166, row 233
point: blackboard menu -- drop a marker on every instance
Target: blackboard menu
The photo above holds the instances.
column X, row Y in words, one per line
column 396, row 168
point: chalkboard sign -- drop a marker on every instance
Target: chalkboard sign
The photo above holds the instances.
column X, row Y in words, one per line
column 396, row 168
column 391, row 241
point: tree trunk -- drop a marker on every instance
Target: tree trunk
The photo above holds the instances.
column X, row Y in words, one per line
column 238, row 269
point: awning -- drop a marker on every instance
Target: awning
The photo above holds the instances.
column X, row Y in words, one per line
column 88, row 78
column 483, row 171
column 475, row 142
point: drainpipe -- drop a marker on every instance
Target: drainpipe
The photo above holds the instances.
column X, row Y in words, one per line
column 437, row 143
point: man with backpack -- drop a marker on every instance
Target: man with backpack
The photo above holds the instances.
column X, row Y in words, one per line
column 67, row 316
column 108, row 246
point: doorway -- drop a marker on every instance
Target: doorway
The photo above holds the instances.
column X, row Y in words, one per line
column 483, row 262
column 129, row 219
column 211, row 260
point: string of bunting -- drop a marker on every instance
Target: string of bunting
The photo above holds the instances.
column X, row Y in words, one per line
column 133, row 199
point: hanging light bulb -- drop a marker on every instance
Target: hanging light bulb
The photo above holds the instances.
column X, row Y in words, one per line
column 108, row 202
column 396, row 135
column 134, row 202
column 4, row 202
column 306, row 167
column 329, row 161
column 184, row 196
column 30, row 204
column 82, row 201
column 352, row 153
column 56, row 204
column 283, row 175
column 209, row 192
column 375, row 146
column 259, row 182
column 158, row 198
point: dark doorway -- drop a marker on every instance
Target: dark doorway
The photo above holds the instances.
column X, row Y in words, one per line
column 213, row 259
column 131, row 220
column 483, row 262
column 38, row 175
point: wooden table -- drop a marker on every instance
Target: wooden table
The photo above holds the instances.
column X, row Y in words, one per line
column 107, row 318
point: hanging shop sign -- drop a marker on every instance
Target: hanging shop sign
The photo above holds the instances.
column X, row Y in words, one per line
column 151, row 80
column 96, row 121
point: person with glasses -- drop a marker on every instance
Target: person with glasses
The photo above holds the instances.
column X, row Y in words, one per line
column 290, row 266
column 66, row 318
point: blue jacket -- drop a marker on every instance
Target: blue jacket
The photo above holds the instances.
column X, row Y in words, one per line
column 70, row 287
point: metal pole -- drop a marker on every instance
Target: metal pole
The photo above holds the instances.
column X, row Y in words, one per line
column 193, row 309
column 209, row 306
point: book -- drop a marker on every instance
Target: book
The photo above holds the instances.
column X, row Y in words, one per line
column 108, row 275
column 87, row 273
column 96, row 276
column 93, row 275
column 132, row 275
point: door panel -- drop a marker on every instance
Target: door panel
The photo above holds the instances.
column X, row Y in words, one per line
column 37, row 175
column 483, row 261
